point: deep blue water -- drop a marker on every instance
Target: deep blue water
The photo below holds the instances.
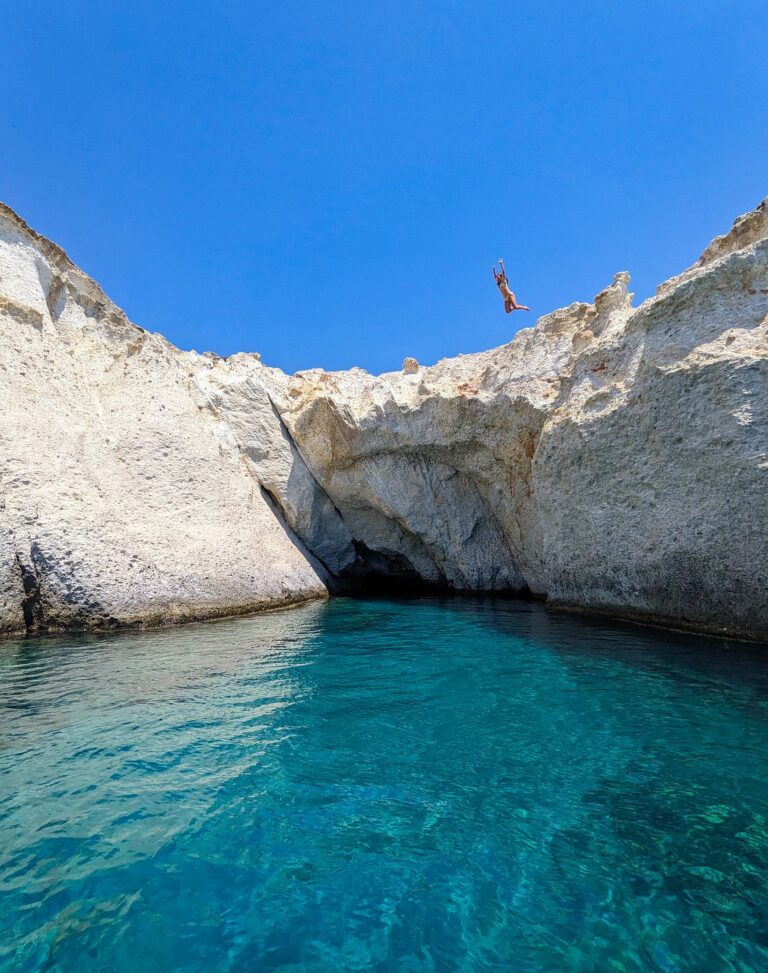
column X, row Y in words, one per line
column 384, row 786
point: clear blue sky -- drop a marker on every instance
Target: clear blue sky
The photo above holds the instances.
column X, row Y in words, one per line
column 329, row 183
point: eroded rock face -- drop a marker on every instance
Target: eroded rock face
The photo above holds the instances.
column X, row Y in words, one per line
column 125, row 496
column 612, row 459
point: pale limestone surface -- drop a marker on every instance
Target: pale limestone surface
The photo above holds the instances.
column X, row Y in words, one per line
column 610, row 459
column 125, row 498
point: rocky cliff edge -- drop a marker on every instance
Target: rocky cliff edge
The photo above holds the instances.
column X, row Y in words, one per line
column 611, row 459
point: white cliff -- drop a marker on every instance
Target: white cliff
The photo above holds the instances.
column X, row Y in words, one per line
column 124, row 497
column 612, row 458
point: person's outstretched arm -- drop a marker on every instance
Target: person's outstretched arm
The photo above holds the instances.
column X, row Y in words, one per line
column 503, row 271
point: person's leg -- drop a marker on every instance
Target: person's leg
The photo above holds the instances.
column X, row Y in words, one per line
column 516, row 306
column 508, row 306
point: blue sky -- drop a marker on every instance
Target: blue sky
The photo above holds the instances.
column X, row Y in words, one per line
column 329, row 183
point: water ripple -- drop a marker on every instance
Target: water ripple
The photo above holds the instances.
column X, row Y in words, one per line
column 391, row 786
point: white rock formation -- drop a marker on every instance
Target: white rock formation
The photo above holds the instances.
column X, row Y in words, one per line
column 125, row 496
column 610, row 459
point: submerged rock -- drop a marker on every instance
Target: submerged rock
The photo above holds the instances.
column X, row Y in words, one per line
column 611, row 459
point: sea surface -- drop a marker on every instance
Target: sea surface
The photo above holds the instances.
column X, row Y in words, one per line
column 385, row 785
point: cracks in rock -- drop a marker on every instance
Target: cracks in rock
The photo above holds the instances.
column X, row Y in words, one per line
column 274, row 504
column 32, row 604
column 295, row 446
column 270, row 496
column 333, row 579
column 53, row 298
column 371, row 569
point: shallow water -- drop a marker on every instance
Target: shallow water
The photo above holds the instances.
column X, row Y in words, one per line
column 378, row 785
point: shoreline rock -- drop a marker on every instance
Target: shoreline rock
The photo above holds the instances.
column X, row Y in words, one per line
column 611, row 459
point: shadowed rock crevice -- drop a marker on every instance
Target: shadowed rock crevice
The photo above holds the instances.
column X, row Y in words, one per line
column 275, row 505
column 32, row 604
column 381, row 572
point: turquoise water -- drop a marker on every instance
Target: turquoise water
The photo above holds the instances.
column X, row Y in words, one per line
column 384, row 786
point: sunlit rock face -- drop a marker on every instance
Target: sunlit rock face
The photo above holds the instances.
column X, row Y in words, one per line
column 125, row 497
column 612, row 458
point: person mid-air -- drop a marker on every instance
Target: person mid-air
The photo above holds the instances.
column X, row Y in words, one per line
column 510, row 301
